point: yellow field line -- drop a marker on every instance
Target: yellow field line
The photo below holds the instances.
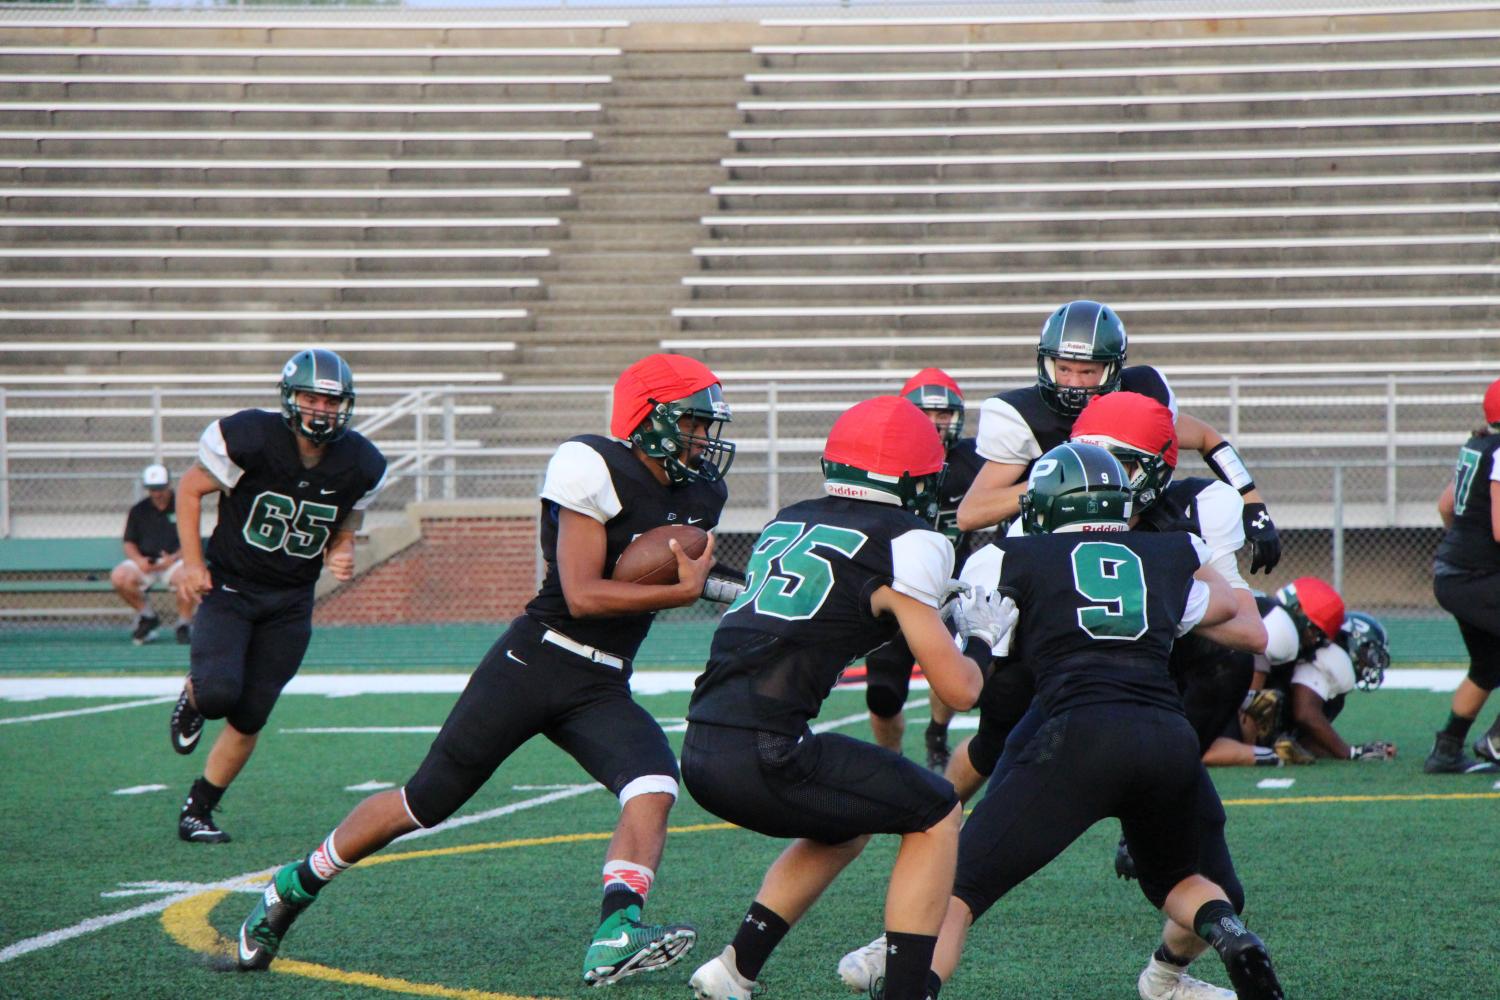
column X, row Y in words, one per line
column 1300, row 800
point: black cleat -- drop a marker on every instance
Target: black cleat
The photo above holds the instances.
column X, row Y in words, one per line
column 1124, row 863
column 145, row 628
column 1249, row 967
column 937, row 750
column 198, row 828
column 1447, row 757
column 186, row 724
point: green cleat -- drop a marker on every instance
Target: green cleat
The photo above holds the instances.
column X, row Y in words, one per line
column 623, row 946
column 278, row 906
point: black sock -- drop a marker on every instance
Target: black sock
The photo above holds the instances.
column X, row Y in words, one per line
column 760, row 932
column 1165, row 954
column 1266, row 757
column 1457, row 727
column 908, row 959
column 202, row 798
column 308, row 879
column 937, row 731
column 618, row 897
column 934, row 985
column 1216, row 921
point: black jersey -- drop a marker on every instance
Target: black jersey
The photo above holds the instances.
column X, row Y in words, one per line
column 152, row 531
column 805, row 613
column 1017, row 427
column 602, row 478
column 1209, row 509
column 1099, row 612
column 964, row 464
column 1470, row 544
column 278, row 516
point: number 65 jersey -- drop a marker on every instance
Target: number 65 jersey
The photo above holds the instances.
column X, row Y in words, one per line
column 805, row 613
column 1099, row 611
column 276, row 516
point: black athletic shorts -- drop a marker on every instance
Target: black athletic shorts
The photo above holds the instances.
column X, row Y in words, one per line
column 1137, row 763
column 525, row 687
column 1003, row 702
column 1474, row 600
column 824, row 787
column 246, row 645
column 1213, row 680
column 888, row 677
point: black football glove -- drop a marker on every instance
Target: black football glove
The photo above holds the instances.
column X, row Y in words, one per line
column 1260, row 532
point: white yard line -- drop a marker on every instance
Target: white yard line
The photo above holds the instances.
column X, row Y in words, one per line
column 86, row 711
column 249, row 880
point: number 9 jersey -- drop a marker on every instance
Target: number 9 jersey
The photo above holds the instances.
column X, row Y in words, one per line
column 805, row 612
column 1099, row 611
column 276, row 517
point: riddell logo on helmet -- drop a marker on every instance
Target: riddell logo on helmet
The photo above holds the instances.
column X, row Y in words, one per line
column 842, row 490
column 1103, row 527
column 328, row 385
column 1075, row 347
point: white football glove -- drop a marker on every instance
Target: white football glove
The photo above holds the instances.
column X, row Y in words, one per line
column 987, row 616
column 722, row 589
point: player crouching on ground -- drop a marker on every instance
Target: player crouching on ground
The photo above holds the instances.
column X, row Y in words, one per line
column 563, row 667
column 828, row 580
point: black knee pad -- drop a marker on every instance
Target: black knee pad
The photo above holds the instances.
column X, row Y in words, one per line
column 215, row 697
column 1486, row 673
column 884, row 700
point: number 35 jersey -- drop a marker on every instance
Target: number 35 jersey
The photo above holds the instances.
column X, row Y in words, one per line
column 1099, row 612
column 805, row 613
column 277, row 517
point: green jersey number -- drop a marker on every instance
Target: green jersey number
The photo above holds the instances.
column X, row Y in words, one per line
column 1463, row 478
column 279, row 523
column 1110, row 577
column 786, row 578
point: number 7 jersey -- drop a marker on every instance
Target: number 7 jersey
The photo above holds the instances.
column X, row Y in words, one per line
column 276, row 517
column 805, row 613
column 1099, row 611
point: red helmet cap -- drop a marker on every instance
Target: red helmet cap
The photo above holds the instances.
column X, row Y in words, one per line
column 887, row 435
column 659, row 377
column 1321, row 603
column 1492, row 403
column 1128, row 418
column 931, row 376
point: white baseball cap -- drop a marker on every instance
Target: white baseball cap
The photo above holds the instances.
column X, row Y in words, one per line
column 155, row 477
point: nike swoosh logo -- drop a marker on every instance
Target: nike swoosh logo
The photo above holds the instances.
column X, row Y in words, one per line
column 513, row 656
column 694, row 520
column 189, row 740
column 325, row 493
column 227, row 589
column 618, row 942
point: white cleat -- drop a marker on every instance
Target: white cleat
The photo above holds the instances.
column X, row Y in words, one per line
column 861, row 967
column 1161, row 981
column 719, row 979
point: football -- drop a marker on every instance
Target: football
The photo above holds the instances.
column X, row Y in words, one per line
column 648, row 558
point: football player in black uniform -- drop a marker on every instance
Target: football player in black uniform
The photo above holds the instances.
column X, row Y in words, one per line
column 295, row 487
column 888, row 669
column 562, row 669
column 1466, row 581
column 1099, row 610
column 828, row 580
column 1081, row 354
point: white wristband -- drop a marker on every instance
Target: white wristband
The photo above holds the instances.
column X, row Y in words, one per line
column 1228, row 466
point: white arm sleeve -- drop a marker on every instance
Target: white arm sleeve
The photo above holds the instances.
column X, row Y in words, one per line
column 1329, row 673
column 983, row 568
column 1219, row 509
column 1197, row 607
column 1004, row 435
column 921, row 564
column 578, row 479
column 213, row 455
column 1281, row 637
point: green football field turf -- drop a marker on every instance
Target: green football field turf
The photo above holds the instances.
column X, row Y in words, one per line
column 1367, row 881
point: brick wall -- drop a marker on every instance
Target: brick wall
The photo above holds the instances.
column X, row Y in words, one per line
column 463, row 569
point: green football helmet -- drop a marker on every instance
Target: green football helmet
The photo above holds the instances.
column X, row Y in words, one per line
column 324, row 373
column 688, row 457
column 1082, row 330
column 917, row 494
column 1366, row 642
column 1076, row 487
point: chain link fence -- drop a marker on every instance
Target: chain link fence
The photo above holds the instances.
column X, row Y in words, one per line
column 1351, row 467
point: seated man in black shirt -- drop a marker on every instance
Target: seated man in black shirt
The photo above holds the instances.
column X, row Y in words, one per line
column 151, row 556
